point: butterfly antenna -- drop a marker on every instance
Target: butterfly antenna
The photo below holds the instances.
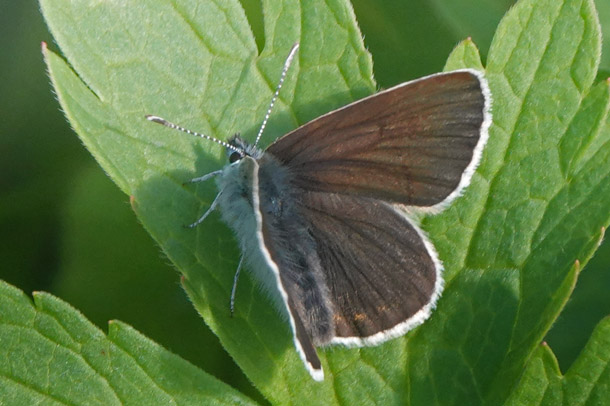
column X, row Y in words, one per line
column 162, row 121
column 293, row 51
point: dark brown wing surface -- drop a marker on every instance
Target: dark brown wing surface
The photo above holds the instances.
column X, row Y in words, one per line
column 351, row 267
column 411, row 144
column 380, row 274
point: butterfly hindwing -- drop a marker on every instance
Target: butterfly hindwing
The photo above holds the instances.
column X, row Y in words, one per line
column 382, row 274
column 355, row 270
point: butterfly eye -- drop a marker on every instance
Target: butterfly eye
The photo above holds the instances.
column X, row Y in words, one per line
column 234, row 157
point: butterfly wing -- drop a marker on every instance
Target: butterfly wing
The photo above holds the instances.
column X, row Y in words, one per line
column 416, row 144
column 352, row 270
column 382, row 274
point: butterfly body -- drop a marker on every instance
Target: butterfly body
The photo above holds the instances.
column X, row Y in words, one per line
column 253, row 187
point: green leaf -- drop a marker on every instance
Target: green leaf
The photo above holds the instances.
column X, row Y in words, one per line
column 52, row 355
column 96, row 283
column 588, row 305
column 587, row 382
column 194, row 65
column 604, row 18
column 535, row 207
column 466, row 54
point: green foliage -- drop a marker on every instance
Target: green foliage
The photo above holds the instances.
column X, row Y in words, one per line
column 512, row 245
column 586, row 383
column 52, row 355
column 158, row 305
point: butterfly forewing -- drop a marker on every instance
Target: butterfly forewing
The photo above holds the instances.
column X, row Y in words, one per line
column 411, row 144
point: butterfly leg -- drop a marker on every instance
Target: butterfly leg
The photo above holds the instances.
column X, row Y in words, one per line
column 235, row 279
column 204, row 177
column 210, row 209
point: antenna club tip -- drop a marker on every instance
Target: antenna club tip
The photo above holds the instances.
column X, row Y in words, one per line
column 293, row 51
column 155, row 119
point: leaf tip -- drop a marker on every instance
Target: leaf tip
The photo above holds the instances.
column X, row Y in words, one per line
column 44, row 50
column 602, row 234
column 37, row 296
column 183, row 282
column 113, row 326
column 576, row 268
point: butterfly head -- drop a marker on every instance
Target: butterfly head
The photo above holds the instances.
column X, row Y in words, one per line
column 239, row 148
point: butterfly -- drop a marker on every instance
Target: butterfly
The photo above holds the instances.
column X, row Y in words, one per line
column 320, row 214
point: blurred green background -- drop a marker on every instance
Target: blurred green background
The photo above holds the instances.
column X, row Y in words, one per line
column 66, row 228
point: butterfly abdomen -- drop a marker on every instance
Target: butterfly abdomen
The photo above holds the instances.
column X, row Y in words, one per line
column 295, row 252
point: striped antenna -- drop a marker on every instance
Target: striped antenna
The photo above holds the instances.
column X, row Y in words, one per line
column 293, row 51
column 162, row 121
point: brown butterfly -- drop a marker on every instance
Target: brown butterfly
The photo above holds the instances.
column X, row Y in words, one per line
column 320, row 213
